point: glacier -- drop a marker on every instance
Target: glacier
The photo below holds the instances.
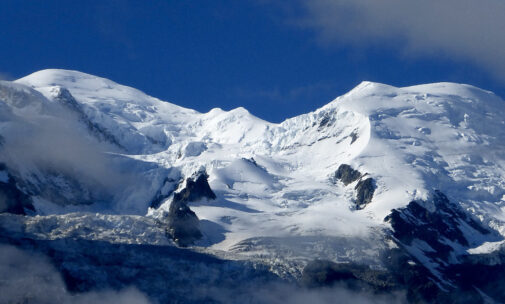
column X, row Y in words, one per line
column 94, row 164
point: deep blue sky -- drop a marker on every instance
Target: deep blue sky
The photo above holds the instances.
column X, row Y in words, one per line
column 206, row 54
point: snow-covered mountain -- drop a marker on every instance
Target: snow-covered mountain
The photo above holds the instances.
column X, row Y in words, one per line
column 385, row 189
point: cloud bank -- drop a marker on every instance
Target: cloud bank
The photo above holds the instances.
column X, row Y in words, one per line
column 468, row 30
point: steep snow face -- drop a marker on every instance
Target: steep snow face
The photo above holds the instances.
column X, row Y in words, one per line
column 139, row 122
column 441, row 136
column 276, row 180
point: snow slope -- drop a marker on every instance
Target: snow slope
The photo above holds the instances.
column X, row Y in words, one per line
column 276, row 181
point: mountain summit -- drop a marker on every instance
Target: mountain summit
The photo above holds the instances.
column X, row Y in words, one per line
column 383, row 190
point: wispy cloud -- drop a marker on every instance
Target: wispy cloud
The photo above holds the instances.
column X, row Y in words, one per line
column 27, row 277
column 468, row 30
column 49, row 141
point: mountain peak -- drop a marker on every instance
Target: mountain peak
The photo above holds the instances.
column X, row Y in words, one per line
column 52, row 77
column 419, row 159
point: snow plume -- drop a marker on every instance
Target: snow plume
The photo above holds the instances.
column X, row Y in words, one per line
column 464, row 29
column 29, row 278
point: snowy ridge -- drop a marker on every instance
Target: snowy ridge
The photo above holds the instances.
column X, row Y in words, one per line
column 275, row 183
column 446, row 136
column 129, row 114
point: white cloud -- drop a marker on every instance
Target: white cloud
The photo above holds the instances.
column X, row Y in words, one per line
column 470, row 30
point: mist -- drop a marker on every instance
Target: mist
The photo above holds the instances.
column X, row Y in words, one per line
column 42, row 139
column 27, row 277
column 56, row 144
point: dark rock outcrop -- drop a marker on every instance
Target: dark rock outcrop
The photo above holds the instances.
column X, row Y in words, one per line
column 365, row 188
column 13, row 200
column 183, row 224
column 434, row 225
column 354, row 137
column 346, row 174
column 364, row 192
column 438, row 229
column 197, row 187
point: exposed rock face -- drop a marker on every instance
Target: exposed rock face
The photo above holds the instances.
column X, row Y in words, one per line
column 12, row 200
column 354, row 137
column 197, row 187
column 365, row 188
column 183, row 224
column 346, row 174
column 432, row 230
column 364, row 192
column 434, row 225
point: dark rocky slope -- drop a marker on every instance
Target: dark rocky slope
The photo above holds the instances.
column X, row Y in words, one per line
column 182, row 222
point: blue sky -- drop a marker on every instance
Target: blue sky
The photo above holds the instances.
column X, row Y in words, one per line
column 278, row 59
